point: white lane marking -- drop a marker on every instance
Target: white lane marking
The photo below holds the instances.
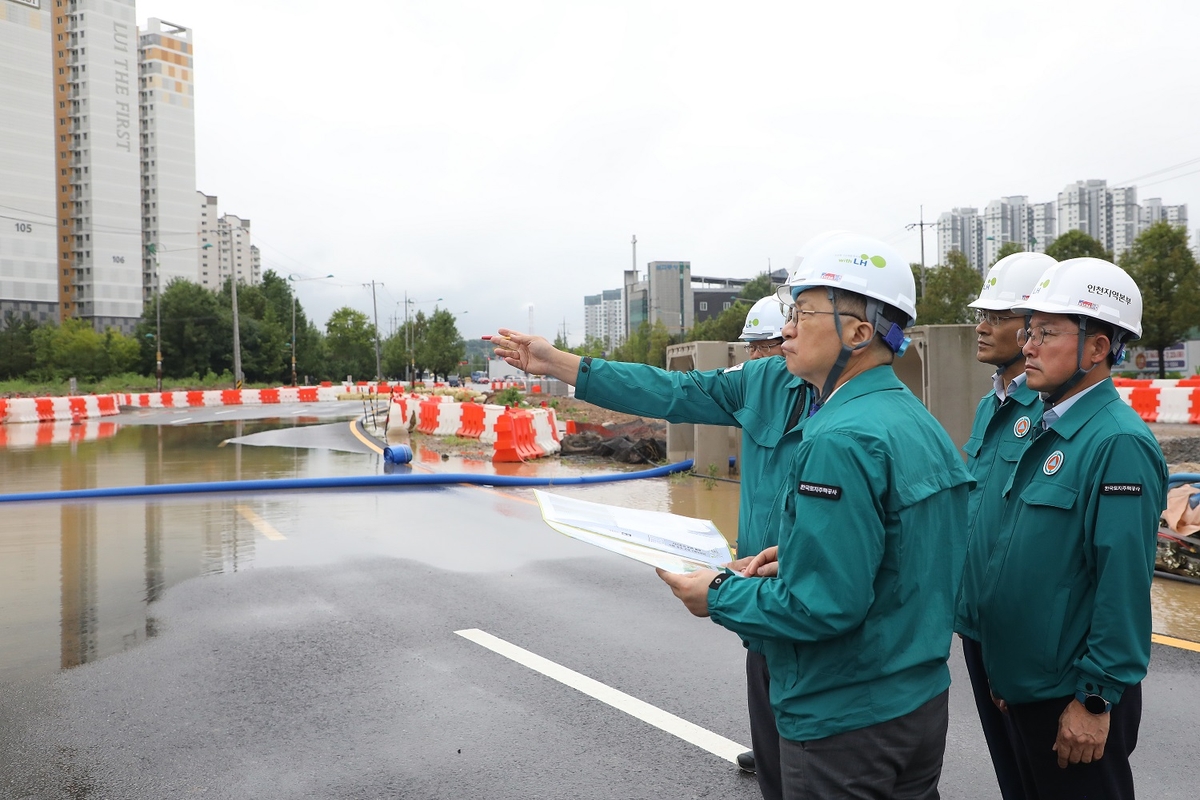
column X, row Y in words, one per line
column 181, row 421
column 228, row 411
column 652, row 715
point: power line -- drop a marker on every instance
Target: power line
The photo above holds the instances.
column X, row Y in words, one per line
column 921, row 225
column 1180, row 165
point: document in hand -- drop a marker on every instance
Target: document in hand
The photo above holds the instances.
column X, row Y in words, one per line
column 667, row 541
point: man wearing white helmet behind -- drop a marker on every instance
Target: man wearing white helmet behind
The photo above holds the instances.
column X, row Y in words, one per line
column 762, row 398
column 763, row 331
column 1003, row 422
column 1064, row 606
column 856, row 626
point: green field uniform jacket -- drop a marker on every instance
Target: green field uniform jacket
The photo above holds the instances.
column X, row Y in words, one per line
column 758, row 396
column 1065, row 600
column 998, row 437
column 857, row 626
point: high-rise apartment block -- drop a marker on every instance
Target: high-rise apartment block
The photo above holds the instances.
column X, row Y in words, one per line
column 604, row 317
column 29, row 284
column 1112, row 216
column 98, row 165
column 170, row 218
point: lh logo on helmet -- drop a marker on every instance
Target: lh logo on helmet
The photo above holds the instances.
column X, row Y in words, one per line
column 1021, row 427
column 1053, row 463
column 874, row 261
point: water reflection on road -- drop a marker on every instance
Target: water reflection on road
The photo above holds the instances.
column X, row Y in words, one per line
column 78, row 580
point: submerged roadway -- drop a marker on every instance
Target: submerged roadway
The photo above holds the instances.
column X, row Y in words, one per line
column 441, row 643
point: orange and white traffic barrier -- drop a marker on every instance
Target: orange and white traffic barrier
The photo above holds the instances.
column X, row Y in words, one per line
column 1162, row 400
column 545, row 430
column 49, row 409
column 449, row 419
column 212, row 398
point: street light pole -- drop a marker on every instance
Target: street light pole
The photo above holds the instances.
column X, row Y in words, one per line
column 158, row 356
column 157, row 321
column 237, row 338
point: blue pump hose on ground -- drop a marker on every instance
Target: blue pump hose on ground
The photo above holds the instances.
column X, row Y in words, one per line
column 342, row 482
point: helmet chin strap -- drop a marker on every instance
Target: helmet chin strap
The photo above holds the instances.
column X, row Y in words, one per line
column 1080, row 372
column 895, row 339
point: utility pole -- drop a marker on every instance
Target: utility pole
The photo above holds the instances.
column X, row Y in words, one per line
column 921, row 225
column 237, row 332
column 375, row 307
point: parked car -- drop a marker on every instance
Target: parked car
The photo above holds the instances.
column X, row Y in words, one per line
column 453, row 380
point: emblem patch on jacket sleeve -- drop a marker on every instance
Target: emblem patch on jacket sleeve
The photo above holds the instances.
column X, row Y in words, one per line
column 820, row 490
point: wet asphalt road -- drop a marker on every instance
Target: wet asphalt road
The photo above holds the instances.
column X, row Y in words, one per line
column 329, row 667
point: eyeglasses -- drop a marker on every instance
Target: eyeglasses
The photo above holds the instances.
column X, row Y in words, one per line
column 793, row 314
column 1038, row 335
column 763, row 347
column 992, row 318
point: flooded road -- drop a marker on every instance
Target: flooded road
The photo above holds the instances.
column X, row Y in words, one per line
column 78, row 580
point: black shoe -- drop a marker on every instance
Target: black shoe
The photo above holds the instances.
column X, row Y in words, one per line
column 745, row 761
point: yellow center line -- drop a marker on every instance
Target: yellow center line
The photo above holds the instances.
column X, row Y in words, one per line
column 1170, row 641
column 260, row 524
column 354, row 429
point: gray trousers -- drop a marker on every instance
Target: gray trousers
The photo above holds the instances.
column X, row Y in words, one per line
column 900, row 759
column 764, row 736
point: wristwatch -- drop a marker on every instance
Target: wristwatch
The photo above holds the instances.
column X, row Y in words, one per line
column 1094, row 703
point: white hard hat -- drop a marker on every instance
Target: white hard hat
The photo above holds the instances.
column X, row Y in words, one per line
column 1010, row 281
column 1089, row 287
column 859, row 264
column 765, row 321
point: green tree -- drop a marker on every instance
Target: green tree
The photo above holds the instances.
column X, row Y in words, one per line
column 758, row 288
column 404, row 347
column 657, row 344
column 442, row 347
column 633, row 350
column 70, row 350
column 121, row 352
column 948, row 290
column 16, row 346
column 592, row 346
column 1077, row 244
column 1165, row 270
column 1006, row 250
column 350, row 338
column 197, row 332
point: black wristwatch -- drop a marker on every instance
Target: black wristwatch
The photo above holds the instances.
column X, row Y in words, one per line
column 1094, row 703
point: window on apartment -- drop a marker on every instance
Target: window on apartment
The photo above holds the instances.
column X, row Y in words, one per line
column 703, row 305
column 727, row 305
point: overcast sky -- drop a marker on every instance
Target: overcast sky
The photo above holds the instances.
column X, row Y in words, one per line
column 502, row 154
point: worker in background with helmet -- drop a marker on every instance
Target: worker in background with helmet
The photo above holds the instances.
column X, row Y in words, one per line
column 1003, row 422
column 1064, row 606
column 858, row 622
column 763, row 331
column 759, row 396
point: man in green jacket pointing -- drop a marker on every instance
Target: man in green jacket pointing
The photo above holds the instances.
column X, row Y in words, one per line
column 762, row 398
column 857, row 623
column 1064, row 604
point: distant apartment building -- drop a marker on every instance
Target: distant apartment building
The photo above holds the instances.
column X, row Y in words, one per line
column 604, row 318
column 98, row 165
column 32, row 141
column 665, row 295
column 170, row 219
column 237, row 256
column 1112, row 216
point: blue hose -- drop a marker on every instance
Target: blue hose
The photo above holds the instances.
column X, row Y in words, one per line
column 344, row 482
